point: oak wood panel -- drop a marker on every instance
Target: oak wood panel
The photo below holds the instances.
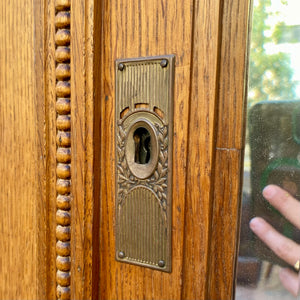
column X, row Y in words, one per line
column 225, row 224
column 85, row 146
column 134, row 29
column 23, row 203
column 79, row 154
column 97, row 133
column 50, row 142
column 232, row 81
column 45, row 267
column 201, row 144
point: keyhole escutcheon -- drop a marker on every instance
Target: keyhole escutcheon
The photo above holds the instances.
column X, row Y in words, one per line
column 142, row 148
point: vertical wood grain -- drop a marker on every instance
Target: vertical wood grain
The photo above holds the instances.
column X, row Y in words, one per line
column 85, row 152
column 225, row 224
column 23, row 202
column 232, row 81
column 78, row 125
column 96, row 142
column 50, row 135
column 133, row 29
column 42, row 204
column 92, row 183
column 200, row 151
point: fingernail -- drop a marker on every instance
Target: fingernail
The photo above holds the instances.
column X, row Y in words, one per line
column 254, row 223
column 269, row 191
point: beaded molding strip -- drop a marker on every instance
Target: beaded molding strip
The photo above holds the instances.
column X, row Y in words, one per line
column 63, row 154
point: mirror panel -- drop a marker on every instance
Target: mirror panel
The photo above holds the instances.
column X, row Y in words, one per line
column 272, row 153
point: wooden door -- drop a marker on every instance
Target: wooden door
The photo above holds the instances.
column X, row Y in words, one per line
column 208, row 39
column 58, row 145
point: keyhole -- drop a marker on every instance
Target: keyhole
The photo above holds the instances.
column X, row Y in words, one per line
column 142, row 144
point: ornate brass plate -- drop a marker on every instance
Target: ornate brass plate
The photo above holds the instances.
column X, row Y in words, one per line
column 144, row 129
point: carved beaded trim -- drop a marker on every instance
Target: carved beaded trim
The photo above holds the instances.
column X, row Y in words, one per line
column 63, row 153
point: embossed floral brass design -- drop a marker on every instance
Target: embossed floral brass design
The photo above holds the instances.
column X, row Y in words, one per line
column 144, row 95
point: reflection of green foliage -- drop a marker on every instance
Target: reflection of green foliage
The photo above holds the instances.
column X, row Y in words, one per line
column 278, row 31
column 286, row 34
column 270, row 75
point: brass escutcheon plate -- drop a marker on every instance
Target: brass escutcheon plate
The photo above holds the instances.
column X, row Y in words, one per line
column 143, row 142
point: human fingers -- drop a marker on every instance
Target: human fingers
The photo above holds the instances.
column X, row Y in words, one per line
column 283, row 202
column 282, row 246
column 290, row 280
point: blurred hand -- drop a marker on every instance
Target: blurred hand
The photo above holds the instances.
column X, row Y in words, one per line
column 285, row 248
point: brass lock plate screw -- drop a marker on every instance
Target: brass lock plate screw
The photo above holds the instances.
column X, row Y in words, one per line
column 164, row 63
column 161, row 263
column 121, row 254
column 121, row 67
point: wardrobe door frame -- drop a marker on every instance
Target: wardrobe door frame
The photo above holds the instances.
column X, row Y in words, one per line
column 74, row 146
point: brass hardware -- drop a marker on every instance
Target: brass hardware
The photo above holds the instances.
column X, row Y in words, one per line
column 161, row 263
column 164, row 63
column 144, row 130
column 121, row 67
column 136, row 150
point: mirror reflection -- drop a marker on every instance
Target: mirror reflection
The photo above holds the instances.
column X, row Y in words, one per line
column 271, row 190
